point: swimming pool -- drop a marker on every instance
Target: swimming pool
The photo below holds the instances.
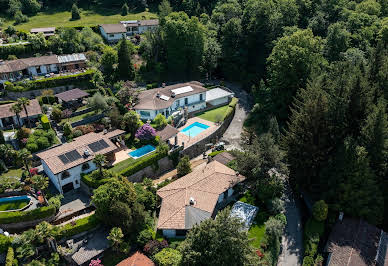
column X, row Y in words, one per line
column 142, row 151
column 194, row 129
column 14, row 203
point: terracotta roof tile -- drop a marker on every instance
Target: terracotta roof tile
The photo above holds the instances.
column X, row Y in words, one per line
column 167, row 132
column 137, row 259
column 32, row 109
column 204, row 185
column 114, row 28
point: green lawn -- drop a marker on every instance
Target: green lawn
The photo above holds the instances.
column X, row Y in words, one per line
column 214, row 115
column 16, row 205
column 256, row 233
column 93, row 17
column 117, row 168
column 77, row 118
column 12, row 173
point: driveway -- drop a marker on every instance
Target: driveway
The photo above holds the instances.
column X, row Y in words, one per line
column 292, row 240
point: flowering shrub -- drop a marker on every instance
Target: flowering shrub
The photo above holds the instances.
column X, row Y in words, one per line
column 145, row 132
column 154, row 246
column 34, row 171
column 85, row 129
column 96, row 262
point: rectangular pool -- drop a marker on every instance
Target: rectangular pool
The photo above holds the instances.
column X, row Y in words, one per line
column 194, row 129
column 142, row 151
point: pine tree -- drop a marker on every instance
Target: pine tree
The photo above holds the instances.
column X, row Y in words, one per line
column 124, row 9
column 125, row 68
column 75, row 14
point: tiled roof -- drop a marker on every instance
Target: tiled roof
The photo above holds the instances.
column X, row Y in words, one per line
column 71, row 95
column 80, row 144
column 224, row 157
column 114, row 28
column 149, row 22
column 204, row 185
column 167, row 132
column 354, row 242
column 36, row 30
column 217, row 93
column 137, row 259
column 148, row 99
column 32, row 109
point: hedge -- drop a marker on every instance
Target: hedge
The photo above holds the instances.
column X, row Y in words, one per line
column 81, row 225
column 25, row 216
column 93, row 183
column 10, row 257
column 6, row 102
column 19, row 50
column 44, row 83
column 214, row 153
column 142, row 163
column 233, row 102
column 313, row 231
column 5, row 242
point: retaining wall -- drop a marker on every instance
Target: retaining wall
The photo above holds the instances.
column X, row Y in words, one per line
column 87, row 120
column 164, row 165
column 16, row 227
column 13, row 95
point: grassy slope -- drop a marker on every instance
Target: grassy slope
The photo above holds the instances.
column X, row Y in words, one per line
column 13, row 205
column 12, row 173
column 77, row 118
column 117, row 168
column 88, row 18
column 214, row 114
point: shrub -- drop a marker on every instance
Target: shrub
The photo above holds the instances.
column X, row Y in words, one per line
column 75, row 14
column 67, row 129
column 80, row 225
column 23, row 133
column 20, row 17
column 276, row 206
column 160, row 121
column 233, row 102
column 168, row 257
column 313, row 230
column 320, row 210
column 45, row 122
column 145, row 132
column 145, row 236
column 94, row 180
column 214, row 153
column 184, row 166
column 5, row 242
column 10, row 257
column 85, row 129
column 77, row 133
column 43, row 143
column 56, row 114
column 154, row 246
column 24, row 216
column 308, row 261
column 32, row 147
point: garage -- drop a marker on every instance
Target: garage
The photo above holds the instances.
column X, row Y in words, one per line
column 67, row 187
column 218, row 96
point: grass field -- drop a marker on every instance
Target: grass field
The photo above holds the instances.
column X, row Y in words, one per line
column 16, row 205
column 93, row 17
column 256, row 233
column 77, row 118
column 117, row 168
column 12, row 173
column 214, row 115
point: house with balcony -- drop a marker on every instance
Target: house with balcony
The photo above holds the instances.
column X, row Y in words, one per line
column 65, row 163
column 140, row 26
column 196, row 197
column 168, row 99
column 8, row 119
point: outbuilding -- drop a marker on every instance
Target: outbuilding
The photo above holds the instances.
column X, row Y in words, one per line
column 218, row 96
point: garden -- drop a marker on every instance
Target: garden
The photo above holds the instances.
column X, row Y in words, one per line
column 219, row 114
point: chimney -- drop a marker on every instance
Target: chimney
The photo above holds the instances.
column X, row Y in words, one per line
column 163, row 84
column 172, row 94
column 158, row 94
column 191, row 201
column 86, row 152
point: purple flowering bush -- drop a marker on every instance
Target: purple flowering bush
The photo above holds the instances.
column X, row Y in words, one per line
column 145, row 132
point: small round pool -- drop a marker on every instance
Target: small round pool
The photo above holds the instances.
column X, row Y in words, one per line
column 14, row 203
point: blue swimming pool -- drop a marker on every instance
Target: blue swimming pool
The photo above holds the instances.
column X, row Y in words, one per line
column 194, row 129
column 142, row 151
column 13, row 199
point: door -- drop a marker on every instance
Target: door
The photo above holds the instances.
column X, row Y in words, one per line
column 67, row 187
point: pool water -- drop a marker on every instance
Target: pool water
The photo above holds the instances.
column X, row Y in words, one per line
column 194, row 129
column 142, row 151
column 14, row 203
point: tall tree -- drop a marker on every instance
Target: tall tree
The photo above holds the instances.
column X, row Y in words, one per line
column 124, row 9
column 100, row 160
column 164, row 10
column 75, row 14
column 24, row 102
column 16, row 109
column 25, row 156
column 125, row 67
column 115, row 237
column 211, row 55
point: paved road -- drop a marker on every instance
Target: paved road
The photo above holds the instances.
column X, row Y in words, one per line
column 292, row 240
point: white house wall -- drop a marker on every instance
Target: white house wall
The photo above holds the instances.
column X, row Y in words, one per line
column 219, row 101
column 111, row 37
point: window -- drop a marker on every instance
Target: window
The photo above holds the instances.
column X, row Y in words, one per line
column 85, row 166
column 145, row 113
column 65, row 175
column 178, row 103
column 111, row 35
column 186, row 101
column 38, row 70
column 201, row 97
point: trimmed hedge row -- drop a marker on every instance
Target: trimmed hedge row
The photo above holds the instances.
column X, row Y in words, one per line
column 142, row 163
column 25, row 216
column 18, row 49
column 9, row 261
column 5, row 243
column 214, row 153
column 93, row 183
column 77, row 79
column 231, row 107
column 81, row 225
column 313, row 231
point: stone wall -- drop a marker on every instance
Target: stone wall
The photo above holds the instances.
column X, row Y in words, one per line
column 199, row 147
column 164, row 165
column 87, row 120
column 12, row 95
column 17, row 227
column 86, row 189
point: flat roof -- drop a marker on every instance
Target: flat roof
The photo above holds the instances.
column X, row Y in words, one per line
column 217, row 93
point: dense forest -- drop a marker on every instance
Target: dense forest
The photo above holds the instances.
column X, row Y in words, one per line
column 318, row 69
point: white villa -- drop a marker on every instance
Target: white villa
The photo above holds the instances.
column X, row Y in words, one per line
column 169, row 99
column 64, row 164
column 115, row 32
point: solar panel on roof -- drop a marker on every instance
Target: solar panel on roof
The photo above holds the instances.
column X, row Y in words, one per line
column 103, row 144
column 95, row 146
column 182, row 90
column 73, row 155
column 64, row 159
column 164, row 97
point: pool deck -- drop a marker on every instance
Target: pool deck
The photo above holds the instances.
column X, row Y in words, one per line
column 121, row 155
column 192, row 140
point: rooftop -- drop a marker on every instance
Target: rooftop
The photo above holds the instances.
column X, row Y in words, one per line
column 79, row 151
column 357, row 243
column 32, row 109
column 217, row 93
column 46, row 31
column 203, row 186
column 69, row 58
column 245, row 212
column 167, row 132
column 71, row 95
column 114, row 28
column 137, row 259
column 224, row 157
column 149, row 100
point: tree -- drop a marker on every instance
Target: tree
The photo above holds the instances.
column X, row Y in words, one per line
column 40, row 182
column 211, row 55
column 290, row 64
column 108, row 62
column 131, row 122
column 16, row 109
column 168, row 257
column 37, row 41
column 24, row 102
column 98, row 102
column 274, row 228
column 99, row 160
column 146, row 132
column 128, row 94
column 125, row 67
column 116, row 237
column 160, row 121
column 67, row 129
column 25, row 156
column 223, row 239
column 337, row 41
column 124, row 9
column 75, row 13
column 184, row 166
column 320, row 210
column 164, row 9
